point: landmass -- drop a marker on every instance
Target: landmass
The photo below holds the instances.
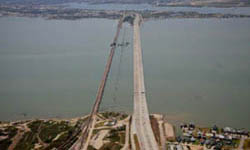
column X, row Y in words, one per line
column 112, row 132
column 203, row 3
column 60, row 12
column 162, row 3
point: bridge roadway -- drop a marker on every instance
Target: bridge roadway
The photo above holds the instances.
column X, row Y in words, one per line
column 141, row 120
column 87, row 129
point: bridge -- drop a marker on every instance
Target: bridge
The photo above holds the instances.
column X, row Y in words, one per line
column 141, row 126
column 140, row 120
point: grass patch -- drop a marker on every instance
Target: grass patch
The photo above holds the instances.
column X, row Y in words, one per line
column 122, row 137
column 27, row 142
column 236, row 143
column 108, row 115
column 11, row 132
column 246, row 144
column 204, row 130
column 95, row 131
column 137, row 146
column 81, row 121
column 197, row 142
column 117, row 115
column 100, row 124
column 113, row 136
column 64, row 137
column 111, row 146
column 34, row 125
column 90, row 147
column 124, row 116
column 155, row 126
column 49, row 130
column 116, row 136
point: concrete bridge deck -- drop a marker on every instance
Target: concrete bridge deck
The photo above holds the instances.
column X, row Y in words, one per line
column 141, row 123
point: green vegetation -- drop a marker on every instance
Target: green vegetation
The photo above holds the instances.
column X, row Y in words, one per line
column 117, row 115
column 204, row 130
column 122, row 137
column 155, row 127
column 124, row 116
column 236, row 142
column 95, row 131
column 11, row 132
column 53, row 134
column 83, row 120
column 108, row 115
column 91, row 148
column 34, row 125
column 117, row 135
column 137, row 146
column 113, row 137
column 111, row 146
column 27, row 142
column 100, row 124
column 246, row 144
column 197, row 142
column 122, row 128
column 65, row 136
column 50, row 129
column 47, row 131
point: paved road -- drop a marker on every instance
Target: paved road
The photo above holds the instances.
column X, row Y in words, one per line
column 141, row 116
column 162, row 135
column 241, row 143
column 126, row 145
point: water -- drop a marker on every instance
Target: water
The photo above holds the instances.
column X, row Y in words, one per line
column 195, row 69
column 232, row 10
column 51, row 68
column 199, row 69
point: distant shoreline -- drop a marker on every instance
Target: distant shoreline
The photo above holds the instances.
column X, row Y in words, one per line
column 57, row 12
column 170, row 3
